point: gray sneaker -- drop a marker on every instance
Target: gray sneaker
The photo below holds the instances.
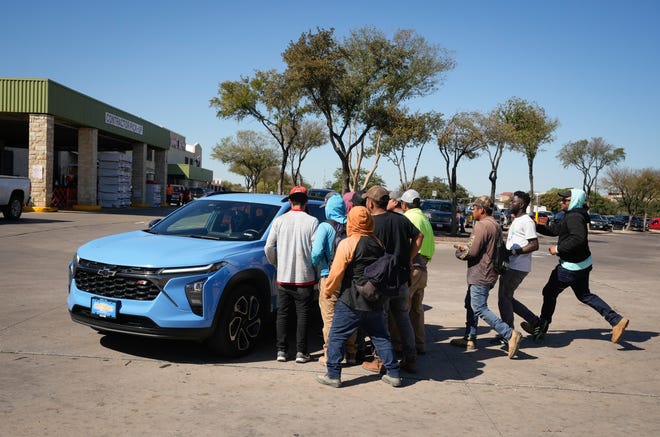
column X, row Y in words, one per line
column 281, row 356
column 302, row 357
column 326, row 380
column 391, row 380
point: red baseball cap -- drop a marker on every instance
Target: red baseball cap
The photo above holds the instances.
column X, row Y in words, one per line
column 299, row 192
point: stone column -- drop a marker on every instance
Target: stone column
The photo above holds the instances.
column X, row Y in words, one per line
column 139, row 174
column 41, row 157
column 160, row 164
column 88, row 139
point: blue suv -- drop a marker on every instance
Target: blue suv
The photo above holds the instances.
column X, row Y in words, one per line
column 200, row 274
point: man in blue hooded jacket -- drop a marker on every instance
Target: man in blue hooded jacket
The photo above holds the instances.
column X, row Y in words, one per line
column 574, row 267
column 323, row 251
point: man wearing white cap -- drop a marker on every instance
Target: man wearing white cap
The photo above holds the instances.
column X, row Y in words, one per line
column 410, row 201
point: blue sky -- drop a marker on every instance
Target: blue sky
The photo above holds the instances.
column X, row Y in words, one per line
column 593, row 65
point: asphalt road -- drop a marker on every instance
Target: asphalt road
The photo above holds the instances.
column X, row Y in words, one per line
column 61, row 378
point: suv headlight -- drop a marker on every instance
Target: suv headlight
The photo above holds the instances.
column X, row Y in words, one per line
column 195, row 295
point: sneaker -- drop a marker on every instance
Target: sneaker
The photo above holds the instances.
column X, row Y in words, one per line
column 326, row 380
column 391, row 380
column 497, row 341
column 540, row 330
column 281, row 356
column 514, row 343
column 409, row 364
column 464, row 342
column 618, row 329
column 302, row 357
column 528, row 327
column 375, row 366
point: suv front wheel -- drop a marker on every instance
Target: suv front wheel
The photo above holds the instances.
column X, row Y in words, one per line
column 239, row 321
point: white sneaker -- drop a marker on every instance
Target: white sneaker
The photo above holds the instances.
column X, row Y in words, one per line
column 302, row 357
column 281, row 356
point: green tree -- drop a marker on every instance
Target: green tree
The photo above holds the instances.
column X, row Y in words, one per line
column 249, row 154
column 271, row 100
column 357, row 84
column 498, row 132
column 532, row 128
column 406, row 135
column 590, row 157
column 638, row 189
column 338, row 182
column 426, row 187
column 309, row 137
column 461, row 137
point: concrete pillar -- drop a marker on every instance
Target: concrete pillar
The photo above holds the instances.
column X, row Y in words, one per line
column 160, row 168
column 139, row 174
column 88, row 140
column 41, row 156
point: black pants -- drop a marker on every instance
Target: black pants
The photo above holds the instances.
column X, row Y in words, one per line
column 302, row 298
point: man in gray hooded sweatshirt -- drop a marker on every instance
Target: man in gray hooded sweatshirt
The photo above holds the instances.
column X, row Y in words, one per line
column 574, row 267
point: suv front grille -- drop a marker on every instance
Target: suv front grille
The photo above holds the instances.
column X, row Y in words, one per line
column 117, row 282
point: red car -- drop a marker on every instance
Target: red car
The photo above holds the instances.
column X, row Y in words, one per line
column 655, row 223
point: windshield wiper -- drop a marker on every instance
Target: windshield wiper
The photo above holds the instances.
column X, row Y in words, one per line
column 203, row 237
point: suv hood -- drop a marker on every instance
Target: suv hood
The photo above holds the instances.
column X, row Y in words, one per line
column 142, row 249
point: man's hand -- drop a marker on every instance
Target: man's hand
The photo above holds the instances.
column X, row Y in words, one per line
column 552, row 250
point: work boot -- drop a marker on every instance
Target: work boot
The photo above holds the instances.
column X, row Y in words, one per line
column 514, row 343
column 409, row 364
column 375, row 366
column 466, row 343
column 618, row 329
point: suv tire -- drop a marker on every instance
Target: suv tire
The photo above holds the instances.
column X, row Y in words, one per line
column 238, row 324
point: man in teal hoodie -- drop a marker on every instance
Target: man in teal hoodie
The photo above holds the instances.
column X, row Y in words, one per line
column 574, row 267
column 323, row 251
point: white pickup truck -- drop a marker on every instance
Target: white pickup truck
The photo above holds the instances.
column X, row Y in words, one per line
column 14, row 193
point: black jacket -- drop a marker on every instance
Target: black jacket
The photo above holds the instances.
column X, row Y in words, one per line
column 573, row 242
column 367, row 251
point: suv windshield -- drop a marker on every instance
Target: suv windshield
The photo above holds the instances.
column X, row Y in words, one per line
column 218, row 220
column 438, row 205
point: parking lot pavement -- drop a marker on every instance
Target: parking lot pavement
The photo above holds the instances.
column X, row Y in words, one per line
column 61, row 378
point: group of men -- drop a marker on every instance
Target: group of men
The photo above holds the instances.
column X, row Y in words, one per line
column 378, row 222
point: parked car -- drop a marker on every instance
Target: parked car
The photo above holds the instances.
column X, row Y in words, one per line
column 177, row 195
column 438, row 212
column 497, row 215
column 655, row 223
column 200, row 273
column 636, row 223
column 14, row 194
column 599, row 223
column 197, row 192
column 543, row 217
column 318, row 193
column 505, row 217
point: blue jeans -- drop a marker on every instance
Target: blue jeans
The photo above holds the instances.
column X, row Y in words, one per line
column 509, row 305
column 560, row 278
column 345, row 322
column 476, row 305
column 400, row 312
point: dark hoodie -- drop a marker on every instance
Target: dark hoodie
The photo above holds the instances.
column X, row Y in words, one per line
column 359, row 249
column 573, row 242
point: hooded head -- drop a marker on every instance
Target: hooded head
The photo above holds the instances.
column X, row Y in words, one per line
column 578, row 197
column 359, row 222
column 335, row 209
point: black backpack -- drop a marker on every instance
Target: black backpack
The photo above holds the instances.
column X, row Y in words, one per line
column 382, row 278
column 501, row 256
column 340, row 234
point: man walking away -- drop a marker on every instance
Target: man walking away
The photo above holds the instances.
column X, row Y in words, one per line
column 574, row 267
column 521, row 242
column 479, row 254
column 290, row 242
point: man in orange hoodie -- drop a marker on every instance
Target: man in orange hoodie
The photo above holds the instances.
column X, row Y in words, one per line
column 352, row 310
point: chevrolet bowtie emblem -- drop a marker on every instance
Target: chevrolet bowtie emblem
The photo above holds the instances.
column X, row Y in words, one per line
column 106, row 273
